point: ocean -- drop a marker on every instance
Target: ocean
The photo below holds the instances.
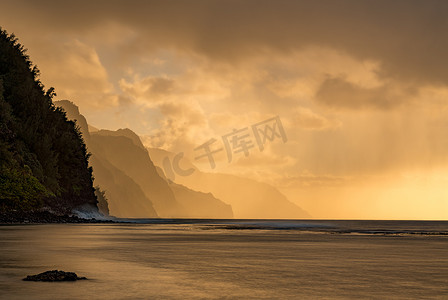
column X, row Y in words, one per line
column 228, row 259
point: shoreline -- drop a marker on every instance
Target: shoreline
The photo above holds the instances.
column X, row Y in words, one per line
column 44, row 217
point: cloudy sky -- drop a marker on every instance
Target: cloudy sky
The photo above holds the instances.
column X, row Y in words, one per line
column 361, row 88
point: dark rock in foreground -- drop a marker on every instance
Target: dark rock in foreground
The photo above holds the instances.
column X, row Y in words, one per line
column 54, row 275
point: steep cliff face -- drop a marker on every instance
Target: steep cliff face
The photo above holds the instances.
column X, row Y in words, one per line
column 133, row 186
column 248, row 198
column 43, row 159
column 73, row 114
column 135, row 162
column 198, row 204
column 124, row 196
column 124, row 132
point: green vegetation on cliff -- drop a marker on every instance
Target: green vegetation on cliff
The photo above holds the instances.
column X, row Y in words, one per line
column 43, row 158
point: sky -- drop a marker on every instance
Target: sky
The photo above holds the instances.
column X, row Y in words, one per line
column 360, row 88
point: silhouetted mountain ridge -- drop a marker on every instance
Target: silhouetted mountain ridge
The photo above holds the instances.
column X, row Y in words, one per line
column 133, row 185
column 121, row 161
column 248, row 198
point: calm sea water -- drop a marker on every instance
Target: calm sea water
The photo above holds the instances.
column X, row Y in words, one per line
column 229, row 259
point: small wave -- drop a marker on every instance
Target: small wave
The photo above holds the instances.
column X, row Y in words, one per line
column 391, row 232
column 90, row 212
column 337, row 227
column 270, row 225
